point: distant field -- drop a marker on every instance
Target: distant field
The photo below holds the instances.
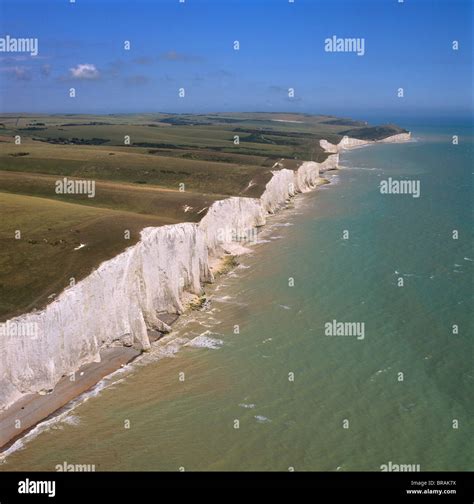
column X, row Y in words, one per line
column 128, row 165
column 169, row 205
column 149, row 170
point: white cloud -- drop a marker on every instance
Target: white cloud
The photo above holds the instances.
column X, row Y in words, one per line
column 84, row 71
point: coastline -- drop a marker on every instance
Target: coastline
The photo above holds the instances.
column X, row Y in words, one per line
column 34, row 408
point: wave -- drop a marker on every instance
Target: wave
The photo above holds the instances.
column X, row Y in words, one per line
column 205, row 341
column 363, row 168
column 283, row 224
column 72, row 420
column 379, row 372
column 229, row 300
column 162, row 349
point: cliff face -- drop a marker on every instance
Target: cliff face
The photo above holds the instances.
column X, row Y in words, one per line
column 229, row 223
column 330, row 163
column 117, row 302
column 327, row 146
column 280, row 188
column 125, row 295
column 307, row 177
column 401, row 137
column 352, row 143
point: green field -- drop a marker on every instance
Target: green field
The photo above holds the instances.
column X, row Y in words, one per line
column 149, row 170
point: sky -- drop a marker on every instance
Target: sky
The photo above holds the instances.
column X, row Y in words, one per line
column 190, row 46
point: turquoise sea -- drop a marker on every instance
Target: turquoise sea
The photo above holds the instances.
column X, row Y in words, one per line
column 348, row 407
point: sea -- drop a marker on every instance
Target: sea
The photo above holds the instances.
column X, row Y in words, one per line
column 342, row 342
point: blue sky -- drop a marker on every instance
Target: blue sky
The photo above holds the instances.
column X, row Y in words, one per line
column 190, row 45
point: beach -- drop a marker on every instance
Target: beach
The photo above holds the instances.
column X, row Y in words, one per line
column 34, row 408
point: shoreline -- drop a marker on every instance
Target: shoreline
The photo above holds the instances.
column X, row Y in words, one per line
column 32, row 409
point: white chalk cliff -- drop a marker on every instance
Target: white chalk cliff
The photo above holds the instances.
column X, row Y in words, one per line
column 125, row 295
column 352, row 143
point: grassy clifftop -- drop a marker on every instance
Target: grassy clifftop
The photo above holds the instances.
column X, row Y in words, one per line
column 374, row 132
